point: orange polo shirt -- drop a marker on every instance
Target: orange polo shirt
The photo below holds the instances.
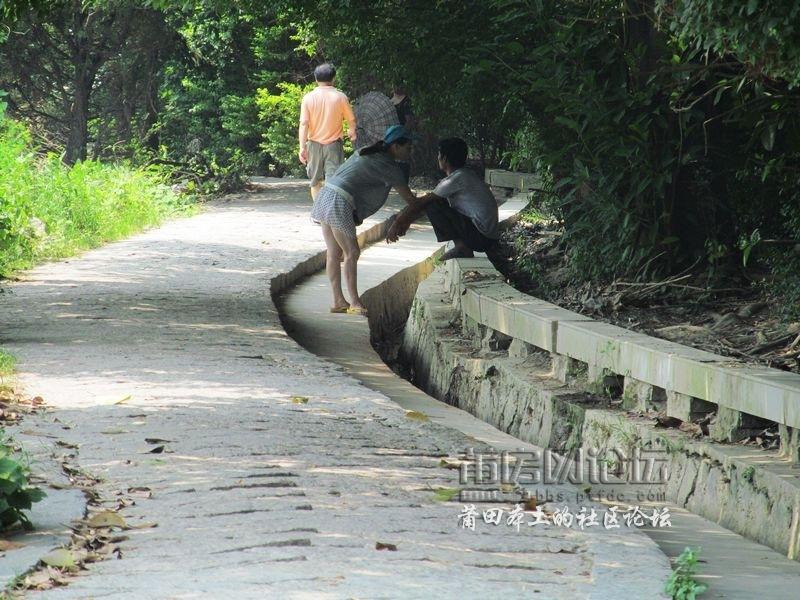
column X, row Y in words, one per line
column 324, row 109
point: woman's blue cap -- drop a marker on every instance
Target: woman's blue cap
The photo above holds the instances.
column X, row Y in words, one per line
column 394, row 133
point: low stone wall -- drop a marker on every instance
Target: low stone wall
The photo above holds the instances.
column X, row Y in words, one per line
column 688, row 381
column 477, row 344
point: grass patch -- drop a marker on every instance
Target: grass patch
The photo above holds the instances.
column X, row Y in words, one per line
column 49, row 210
column 8, row 363
column 533, row 214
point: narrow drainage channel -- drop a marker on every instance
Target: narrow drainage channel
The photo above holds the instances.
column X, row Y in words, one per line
column 732, row 566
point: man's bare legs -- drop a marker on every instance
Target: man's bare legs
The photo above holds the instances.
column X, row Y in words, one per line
column 315, row 190
column 333, row 268
column 351, row 252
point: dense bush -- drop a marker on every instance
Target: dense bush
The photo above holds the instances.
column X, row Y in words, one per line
column 50, row 210
column 280, row 114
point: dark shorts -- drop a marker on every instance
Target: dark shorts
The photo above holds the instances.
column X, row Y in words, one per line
column 449, row 224
column 323, row 160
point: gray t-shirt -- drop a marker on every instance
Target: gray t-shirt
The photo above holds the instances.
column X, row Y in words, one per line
column 469, row 195
column 368, row 180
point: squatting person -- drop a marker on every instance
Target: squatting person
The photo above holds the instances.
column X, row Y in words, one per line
column 461, row 208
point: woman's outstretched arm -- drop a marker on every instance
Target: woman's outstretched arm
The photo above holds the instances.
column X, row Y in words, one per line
column 412, row 212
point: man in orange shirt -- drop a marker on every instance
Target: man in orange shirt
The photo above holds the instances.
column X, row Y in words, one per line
column 322, row 112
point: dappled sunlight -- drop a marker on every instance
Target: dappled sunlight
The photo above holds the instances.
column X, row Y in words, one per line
column 371, row 472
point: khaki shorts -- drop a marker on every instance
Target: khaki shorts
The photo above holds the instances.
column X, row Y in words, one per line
column 323, row 160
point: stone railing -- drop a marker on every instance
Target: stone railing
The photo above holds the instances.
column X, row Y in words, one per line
column 647, row 371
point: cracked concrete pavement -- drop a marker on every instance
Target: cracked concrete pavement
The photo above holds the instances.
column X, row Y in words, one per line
column 172, row 335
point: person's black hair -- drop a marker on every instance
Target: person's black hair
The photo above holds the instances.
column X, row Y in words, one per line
column 454, row 151
column 381, row 147
column 325, row 73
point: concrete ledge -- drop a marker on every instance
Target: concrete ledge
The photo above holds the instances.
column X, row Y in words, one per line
column 478, row 291
column 522, row 182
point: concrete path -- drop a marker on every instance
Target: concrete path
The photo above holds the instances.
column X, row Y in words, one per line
column 731, row 567
column 281, row 475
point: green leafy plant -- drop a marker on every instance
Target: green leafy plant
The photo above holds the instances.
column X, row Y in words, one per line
column 746, row 245
column 681, row 585
column 7, row 363
column 16, row 494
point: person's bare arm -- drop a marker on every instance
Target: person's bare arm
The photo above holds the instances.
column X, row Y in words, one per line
column 302, row 132
column 351, row 121
column 412, row 212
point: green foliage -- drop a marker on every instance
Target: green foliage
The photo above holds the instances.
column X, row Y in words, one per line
column 784, row 282
column 49, row 210
column 212, row 116
column 681, row 585
column 16, row 493
column 7, row 363
column 526, row 260
column 666, row 132
column 761, row 34
column 280, row 114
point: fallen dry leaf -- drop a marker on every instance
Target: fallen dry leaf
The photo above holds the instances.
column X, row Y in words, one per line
column 416, row 416
column 6, row 545
column 115, row 431
column 145, row 525
column 38, row 433
column 384, row 546
column 142, row 492
column 445, row 494
column 60, row 558
column 106, row 519
column 39, row 580
column 691, row 428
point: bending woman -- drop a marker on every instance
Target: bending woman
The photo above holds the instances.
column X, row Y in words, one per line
column 358, row 189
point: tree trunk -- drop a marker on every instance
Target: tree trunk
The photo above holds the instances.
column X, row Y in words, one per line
column 85, row 62
column 79, row 119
